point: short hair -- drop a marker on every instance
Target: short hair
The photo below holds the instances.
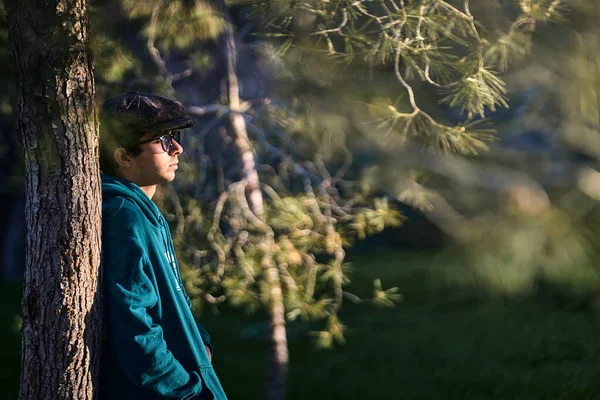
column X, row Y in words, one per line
column 109, row 142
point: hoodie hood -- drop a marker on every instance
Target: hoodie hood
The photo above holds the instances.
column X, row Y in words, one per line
column 114, row 190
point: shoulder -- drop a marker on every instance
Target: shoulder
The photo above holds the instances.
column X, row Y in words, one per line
column 121, row 214
column 124, row 233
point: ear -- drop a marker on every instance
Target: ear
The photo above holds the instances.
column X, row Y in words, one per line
column 122, row 157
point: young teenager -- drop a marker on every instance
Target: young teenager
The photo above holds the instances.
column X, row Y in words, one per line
column 154, row 348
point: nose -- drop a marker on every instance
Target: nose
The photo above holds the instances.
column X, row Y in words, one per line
column 176, row 148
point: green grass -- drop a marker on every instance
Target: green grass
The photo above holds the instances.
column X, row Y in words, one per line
column 449, row 339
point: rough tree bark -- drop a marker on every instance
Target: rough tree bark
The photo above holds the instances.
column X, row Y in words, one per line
column 58, row 124
column 278, row 349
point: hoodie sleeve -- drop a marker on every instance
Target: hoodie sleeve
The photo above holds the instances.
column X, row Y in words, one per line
column 206, row 338
column 140, row 350
column 203, row 332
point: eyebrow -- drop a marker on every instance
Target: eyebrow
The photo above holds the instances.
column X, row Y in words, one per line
column 158, row 136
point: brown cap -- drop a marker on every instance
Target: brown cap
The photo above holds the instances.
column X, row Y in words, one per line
column 135, row 112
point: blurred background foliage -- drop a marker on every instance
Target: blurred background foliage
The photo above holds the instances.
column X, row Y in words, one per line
column 450, row 148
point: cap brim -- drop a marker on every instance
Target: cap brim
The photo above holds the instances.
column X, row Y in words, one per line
column 177, row 123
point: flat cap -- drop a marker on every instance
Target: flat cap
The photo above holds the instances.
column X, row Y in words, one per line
column 143, row 112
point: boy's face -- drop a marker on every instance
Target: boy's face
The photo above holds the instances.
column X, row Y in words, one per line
column 154, row 165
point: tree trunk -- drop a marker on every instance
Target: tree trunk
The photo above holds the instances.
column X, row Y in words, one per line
column 278, row 349
column 58, row 123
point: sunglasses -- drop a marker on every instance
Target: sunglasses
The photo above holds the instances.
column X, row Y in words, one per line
column 166, row 140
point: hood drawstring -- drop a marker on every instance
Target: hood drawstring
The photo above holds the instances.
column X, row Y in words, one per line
column 168, row 241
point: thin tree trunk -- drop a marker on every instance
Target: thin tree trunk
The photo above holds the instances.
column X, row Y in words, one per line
column 58, row 123
column 278, row 349
column 239, row 127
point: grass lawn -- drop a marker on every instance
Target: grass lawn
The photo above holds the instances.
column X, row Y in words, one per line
column 443, row 342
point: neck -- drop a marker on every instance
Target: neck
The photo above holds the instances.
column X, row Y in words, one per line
column 149, row 190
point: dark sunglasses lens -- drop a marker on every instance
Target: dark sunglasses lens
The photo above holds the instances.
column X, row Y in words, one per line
column 165, row 141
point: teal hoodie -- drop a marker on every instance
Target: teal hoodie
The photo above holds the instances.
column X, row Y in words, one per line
column 154, row 349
